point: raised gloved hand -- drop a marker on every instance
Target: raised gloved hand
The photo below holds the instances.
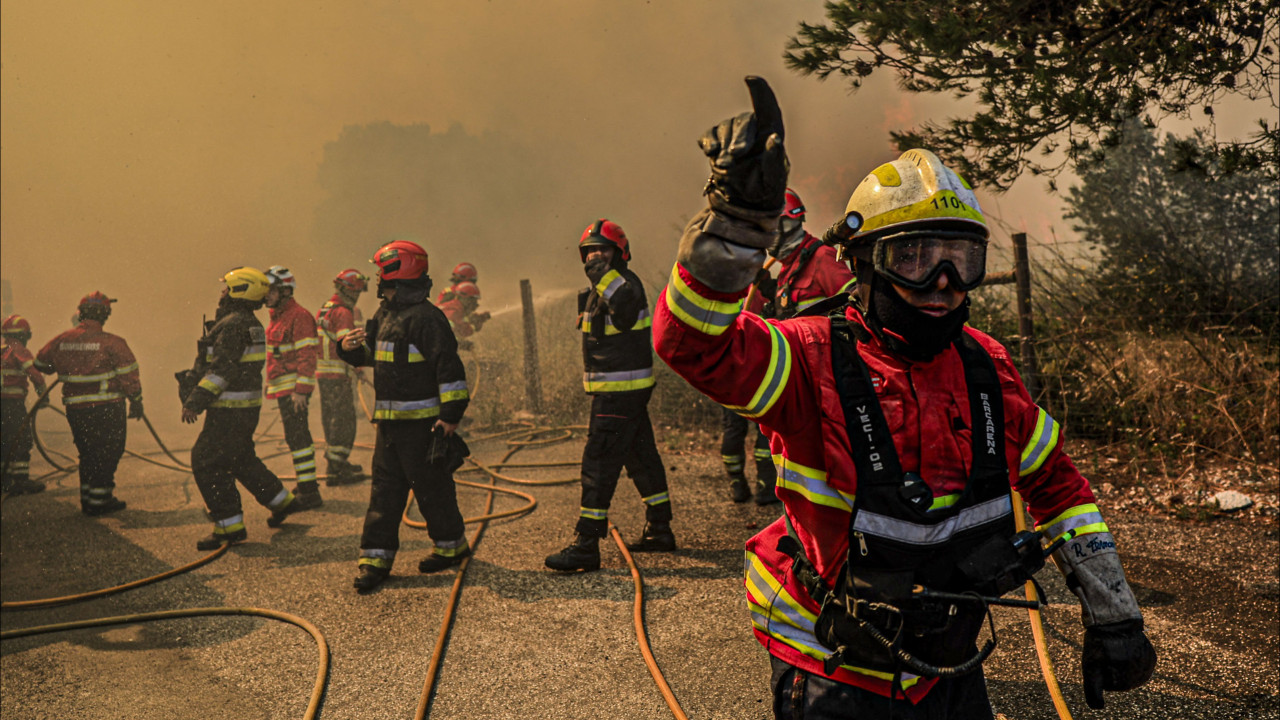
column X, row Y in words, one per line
column 748, row 161
column 596, row 268
column 135, row 408
column 1117, row 657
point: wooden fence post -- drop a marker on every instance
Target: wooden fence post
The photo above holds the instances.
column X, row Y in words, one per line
column 532, row 377
column 1026, row 330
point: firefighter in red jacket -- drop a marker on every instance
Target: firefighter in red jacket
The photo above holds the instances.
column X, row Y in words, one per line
column 98, row 373
column 19, row 367
column 226, row 385
column 462, row 272
column 616, row 350
column 292, row 348
column 461, row 309
column 899, row 433
column 810, row 272
column 421, row 395
column 335, row 319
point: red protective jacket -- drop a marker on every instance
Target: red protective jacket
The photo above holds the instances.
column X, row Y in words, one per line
column 809, row 275
column 95, row 366
column 18, row 367
column 458, row 320
column 334, row 320
column 292, row 347
column 780, row 374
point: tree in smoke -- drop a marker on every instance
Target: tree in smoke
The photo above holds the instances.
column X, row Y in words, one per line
column 1179, row 247
column 1061, row 75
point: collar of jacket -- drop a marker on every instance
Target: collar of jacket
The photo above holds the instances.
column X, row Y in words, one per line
column 284, row 306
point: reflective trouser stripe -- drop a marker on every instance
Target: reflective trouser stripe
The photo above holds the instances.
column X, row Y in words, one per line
column 763, row 454
column 90, row 495
column 734, row 464
column 336, row 452
column 451, row 548
column 281, row 500
column 377, row 558
column 657, row 499
column 594, row 513
column 304, row 463
column 226, row 526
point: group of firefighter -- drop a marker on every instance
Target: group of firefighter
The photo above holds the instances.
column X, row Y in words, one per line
column 893, row 433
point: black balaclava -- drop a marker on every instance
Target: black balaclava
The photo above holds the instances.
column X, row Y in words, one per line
column 408, row 292
column 228, row 304
column 904, row 329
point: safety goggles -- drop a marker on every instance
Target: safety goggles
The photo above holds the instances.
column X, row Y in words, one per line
column 915, row 259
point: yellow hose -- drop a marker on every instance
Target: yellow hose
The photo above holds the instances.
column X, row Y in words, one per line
column 1037, row 625
column 47, row 602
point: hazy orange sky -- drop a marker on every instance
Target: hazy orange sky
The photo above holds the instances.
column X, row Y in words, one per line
column 148, row 145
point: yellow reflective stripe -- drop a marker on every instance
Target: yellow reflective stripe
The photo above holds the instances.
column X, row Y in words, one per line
column 306, row 342
column 811, row 483
column 454, row 391
column 88, row 378
column 706, row 316
column 618, row 381
column 26, row 364
column 593, row 513
column 385, row 352
column 378, row 562
column 238, row 399
column 1083, row 519
column 331, row 365
column 1042, row 442
column 609, row 284
column 775, row 377
column 252, row 353
column 944, row 501
column 213, row 384
column 306, row 380
column 283, row 382
column 806, row 303
column 91, row 398
column 126, row 369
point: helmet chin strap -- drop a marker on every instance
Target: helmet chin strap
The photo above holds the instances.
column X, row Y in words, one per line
column 906, row 330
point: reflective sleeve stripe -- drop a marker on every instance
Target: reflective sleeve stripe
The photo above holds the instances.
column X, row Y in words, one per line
column 618, row 381
column 904, row 531
column 283, row 382
column 593, row 513
column 806, row 303
column 844, row 289
column 26, row 364
column 343, row 333
column 657, row 499
column 454, row 391
column 609, row 284
column 643, row 320
column 131, row 367
column 711, row 317
column 775, row 377
column 810, row 483
column 213, row 383
column 306, row 380
column 77, row 399
column 306, row 342
column 1043, row 439
column 776, row 613
column 1083, row 519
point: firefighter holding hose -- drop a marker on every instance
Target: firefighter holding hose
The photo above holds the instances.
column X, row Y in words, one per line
column 899, row 433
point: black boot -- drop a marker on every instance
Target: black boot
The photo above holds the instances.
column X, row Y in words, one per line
column 217, row 539
column 582, row 554
column 739, row 490
column 434, row 563
column 765, row 494
column 110, row 506
column 307, row 496
column 657, row 537
column 767, row 478
column 24, row 486
column 342, row 472
column 369, row 578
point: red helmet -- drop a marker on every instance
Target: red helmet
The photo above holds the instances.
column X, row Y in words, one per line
column 607, row 233
column 400, row 260
column 467, row 289
column 464, row 272
column 95, row 299
column 16, row 325
column 795, row 208
column 352, row 280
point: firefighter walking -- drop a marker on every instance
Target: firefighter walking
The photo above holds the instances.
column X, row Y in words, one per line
column 99, row 374
column 19, row 367
column 421, row 395
column 226, row 385
column 618, row 362
column 292, row 349
column 335, row 320
column 899, row 433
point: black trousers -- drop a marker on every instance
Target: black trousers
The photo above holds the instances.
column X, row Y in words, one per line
column 400, row 465
column 297, row 435
column 338, row 416
column 801, row 695
column 620, row 435
column 733, row 437
column 225, row 453
column 15, row 440
column 99, row 433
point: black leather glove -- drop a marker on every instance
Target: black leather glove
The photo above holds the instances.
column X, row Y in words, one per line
column 135, row 408
column 1117, row 657
column 748, row 161
column 766, row 285
column 596, row 269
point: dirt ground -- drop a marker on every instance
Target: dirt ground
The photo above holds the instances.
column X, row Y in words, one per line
column 528, row 643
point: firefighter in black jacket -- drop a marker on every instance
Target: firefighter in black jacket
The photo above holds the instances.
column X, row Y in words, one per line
column 617, row 355
column 421, row 394
column 226, row 384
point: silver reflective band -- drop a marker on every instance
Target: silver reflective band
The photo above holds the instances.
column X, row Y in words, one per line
column 918, row 534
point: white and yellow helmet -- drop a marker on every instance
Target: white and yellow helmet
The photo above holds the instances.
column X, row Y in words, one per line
column 914, row 192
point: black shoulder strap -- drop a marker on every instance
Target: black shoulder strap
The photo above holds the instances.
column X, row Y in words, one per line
column 874, row 455
column 986, row 410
